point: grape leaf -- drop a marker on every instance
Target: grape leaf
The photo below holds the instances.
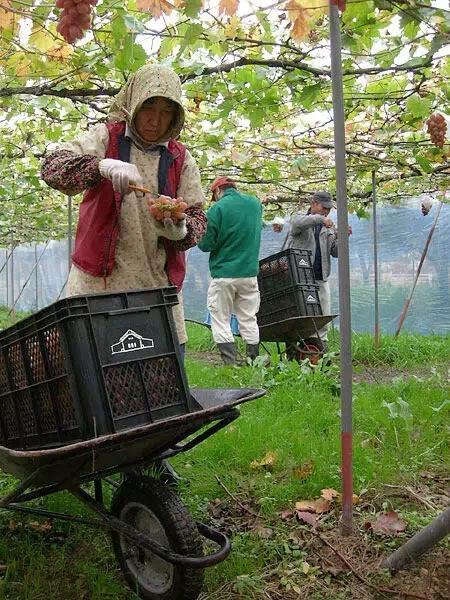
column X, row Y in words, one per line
column 229, row 7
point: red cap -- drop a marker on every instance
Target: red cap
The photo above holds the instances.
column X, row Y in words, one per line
column 219, row 182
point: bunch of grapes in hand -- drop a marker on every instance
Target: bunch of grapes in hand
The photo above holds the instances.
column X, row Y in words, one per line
column 75, row 18
column 163, row 208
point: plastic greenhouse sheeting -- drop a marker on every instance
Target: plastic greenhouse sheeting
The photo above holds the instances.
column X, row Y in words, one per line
column 402, row 233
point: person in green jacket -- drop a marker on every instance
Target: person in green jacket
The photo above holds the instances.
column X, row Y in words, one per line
column 233, row 238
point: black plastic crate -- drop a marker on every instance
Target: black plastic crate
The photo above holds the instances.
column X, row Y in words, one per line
column 295, row 301
column 91, row 365
column 284, row 269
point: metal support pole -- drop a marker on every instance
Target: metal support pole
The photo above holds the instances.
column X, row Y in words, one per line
column 36, row 281
column 425, row 539
column 344, row 270
column 69, row 233
column 375, row 259
column 7, row 277
column 12, row 276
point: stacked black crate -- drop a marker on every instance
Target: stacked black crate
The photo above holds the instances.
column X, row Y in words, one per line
column 288, row 287
column 89, row 366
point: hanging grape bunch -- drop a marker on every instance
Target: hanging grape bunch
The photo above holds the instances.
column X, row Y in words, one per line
column 75, row 18
column 437, row 128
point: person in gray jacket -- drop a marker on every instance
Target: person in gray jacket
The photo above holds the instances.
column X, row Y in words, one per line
column 315, row 231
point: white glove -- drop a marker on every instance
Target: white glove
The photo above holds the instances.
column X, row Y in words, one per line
column 170, row 231
column 120, row 173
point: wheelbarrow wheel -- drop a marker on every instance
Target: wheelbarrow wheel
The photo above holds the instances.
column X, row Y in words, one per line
column 156, row 510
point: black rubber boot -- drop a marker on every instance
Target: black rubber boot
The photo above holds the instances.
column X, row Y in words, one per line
column 252, row 351
column 228, row 353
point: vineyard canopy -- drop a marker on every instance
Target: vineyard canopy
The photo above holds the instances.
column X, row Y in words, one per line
column 257, row 88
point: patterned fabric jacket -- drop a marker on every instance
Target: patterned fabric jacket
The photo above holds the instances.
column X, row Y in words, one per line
column 98, row 225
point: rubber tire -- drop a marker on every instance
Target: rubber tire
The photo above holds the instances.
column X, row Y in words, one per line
column 179, row 528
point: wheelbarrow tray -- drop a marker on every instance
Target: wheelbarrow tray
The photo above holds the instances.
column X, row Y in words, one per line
column 69, row 465
column 293, row 329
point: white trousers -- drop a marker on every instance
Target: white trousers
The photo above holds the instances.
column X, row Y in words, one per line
column 325, row 302
column 234, row 295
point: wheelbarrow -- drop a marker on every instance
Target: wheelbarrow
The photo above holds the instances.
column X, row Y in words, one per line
column 158, row 545
column 300, row 335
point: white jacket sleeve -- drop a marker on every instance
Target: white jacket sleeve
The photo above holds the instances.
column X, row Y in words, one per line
column 93, row 142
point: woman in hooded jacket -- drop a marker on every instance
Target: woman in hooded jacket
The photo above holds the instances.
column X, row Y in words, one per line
column 119, row 245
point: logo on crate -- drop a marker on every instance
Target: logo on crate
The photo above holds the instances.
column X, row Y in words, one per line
column 131, row 341
column 302, row 263
column 311, row 299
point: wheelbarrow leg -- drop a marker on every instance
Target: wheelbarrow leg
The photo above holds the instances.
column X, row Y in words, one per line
column 98, row 490
column 168, row 474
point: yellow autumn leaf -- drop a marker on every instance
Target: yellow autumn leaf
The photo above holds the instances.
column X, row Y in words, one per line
column 61, row 52
column 229, row 7
column 155, row 7
column 7, row 17
column 301, row 13
column 23, row 67
column 83, row 76
column 267, row 461
column 42, row 40
column 231, row 28
column 314, row 5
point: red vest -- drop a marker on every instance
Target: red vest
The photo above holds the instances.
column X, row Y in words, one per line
column 98, row 224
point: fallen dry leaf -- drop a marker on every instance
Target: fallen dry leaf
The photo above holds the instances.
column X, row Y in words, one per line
column 263, row 532
column 387, row 523
column 330, row 494
column 13, row 525
column 307, row 517
column 315, row 506
column 42, row 527
column 333, row 570
column 285, row 515
column 303, row 471
column 306, row 505
column 266, row 462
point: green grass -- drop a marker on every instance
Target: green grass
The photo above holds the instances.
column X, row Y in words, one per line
column 408, row 350
column 400, row 428
column 8, row 318
column 299, row 421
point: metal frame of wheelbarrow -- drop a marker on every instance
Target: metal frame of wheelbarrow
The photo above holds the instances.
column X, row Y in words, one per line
column 71, row 466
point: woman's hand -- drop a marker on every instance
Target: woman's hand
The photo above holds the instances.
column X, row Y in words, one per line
column 169, row 214
column 120, row 173
column 169, row 211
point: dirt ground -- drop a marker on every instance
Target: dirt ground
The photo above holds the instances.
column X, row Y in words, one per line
column 338, row 567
